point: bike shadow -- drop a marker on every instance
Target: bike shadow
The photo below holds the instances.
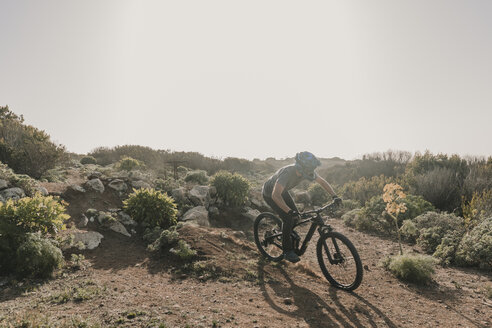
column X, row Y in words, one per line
column 315, row 310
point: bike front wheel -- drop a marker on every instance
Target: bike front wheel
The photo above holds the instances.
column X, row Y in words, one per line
column 339, row 261
column 268, row 236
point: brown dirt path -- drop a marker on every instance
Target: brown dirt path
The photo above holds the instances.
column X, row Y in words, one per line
column 132, row 289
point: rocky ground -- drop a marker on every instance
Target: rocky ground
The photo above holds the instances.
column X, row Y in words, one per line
column 124, row 286
column 120, row 283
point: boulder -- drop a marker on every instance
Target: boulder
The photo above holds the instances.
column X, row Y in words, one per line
column 250, row 214
column 42, row 190
column 3, row 184
column 77, row 188
column 95, row 184
column 94, row 175
column 213, row 211
column 140, row 184
column 83, row 221
column 87, row 239
column 179, row 195
column 12, row 193
column 118, row 185
column 119, row 228
column 91, row 213
column 197, row 216
column 200, row 195
column 126, row 219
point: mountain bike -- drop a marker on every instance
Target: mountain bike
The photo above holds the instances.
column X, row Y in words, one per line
column 337, row 257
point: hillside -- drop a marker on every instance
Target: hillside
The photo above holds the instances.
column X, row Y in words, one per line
column 120, row 283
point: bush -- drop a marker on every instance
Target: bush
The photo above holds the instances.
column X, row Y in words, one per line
column 364, row 189
column 23, row 181
column 183, row 251
column 200, row 177
column 318, row 195
column 166, row 240
column 37, row 257
column 475, row 248
column 26, row 149
column 128, row 164
column 479, row 208
column 446, row 251
column 409, row 231
column 88, row 160
column 434, row 226
column 412, row 268
column 231, row 188
column 151, row 208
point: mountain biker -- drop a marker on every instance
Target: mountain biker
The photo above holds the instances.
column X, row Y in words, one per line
column 276, row 194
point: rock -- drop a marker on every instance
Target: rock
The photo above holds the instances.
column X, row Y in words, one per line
column 302, row 197
column 94, row 175
column 141, row 185
column 77, row 188
column 197, row 215
column 250, row 214
column 119, row 228
column 118, row 185
column 126, row 219
column 91, row 213
column 42, row 190
column 200, row 195
column 213, row 211
column 12, row 193
column 83, row 221
column 105, row 218
column 137, row 175
column 95, row 184
column 3, row 184
column 89, row 239
column 179, row 195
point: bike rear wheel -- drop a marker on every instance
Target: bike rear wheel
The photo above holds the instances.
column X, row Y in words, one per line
column 268, row 236
column 339, row 261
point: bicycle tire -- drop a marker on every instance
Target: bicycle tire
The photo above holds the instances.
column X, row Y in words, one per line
column 346, row 269
column 266, row 225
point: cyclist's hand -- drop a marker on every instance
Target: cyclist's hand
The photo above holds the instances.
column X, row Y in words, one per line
column 337, row 200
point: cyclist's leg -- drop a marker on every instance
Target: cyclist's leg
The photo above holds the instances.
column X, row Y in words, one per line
column 287, row 223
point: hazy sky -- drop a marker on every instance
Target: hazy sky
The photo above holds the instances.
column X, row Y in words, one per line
column 252, row 78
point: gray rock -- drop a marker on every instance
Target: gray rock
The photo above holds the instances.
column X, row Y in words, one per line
column 200, row 195
column 94, row 175
column 13, row 193
column 42, row 190
column 87, row 239
column 119, row 228
column 213, row 211
column 126, row 219
column 77, row 188
column 118, row 185
column 197, row 216
column 3, row 184
column 105, row 218
column 140, row 185
column 91, row 213
column 83, row 221
column 250, row 214
column 179, row 195
column 95, row 184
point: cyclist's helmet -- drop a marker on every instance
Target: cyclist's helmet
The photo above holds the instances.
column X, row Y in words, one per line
column 306, row 162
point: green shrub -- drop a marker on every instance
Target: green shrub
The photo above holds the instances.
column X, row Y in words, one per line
column 199, row 177
column 128, row 164
column 475, row 248
column 166, row 240
column 351, row 217
column 434, row 226
column 409, row 231
column 151, row 208
column 318, row 195
column 364, row 189
column 88, row 160
column 183, row 251
column 446, row 250
column 37, row 257
column 412, row 268
column 359, row 220
column 25, row 148
column 166, row 185
column 23, row 181
column 478, row 208
column 231, row 188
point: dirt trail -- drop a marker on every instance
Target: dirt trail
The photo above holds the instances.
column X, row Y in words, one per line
column 132, row 289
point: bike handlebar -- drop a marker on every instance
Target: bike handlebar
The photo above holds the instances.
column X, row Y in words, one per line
column 331, row 206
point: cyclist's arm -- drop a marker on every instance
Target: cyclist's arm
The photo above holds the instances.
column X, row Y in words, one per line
column 326, row 186
column 278, row 189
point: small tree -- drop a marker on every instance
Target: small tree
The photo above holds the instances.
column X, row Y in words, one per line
column 393, row 196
